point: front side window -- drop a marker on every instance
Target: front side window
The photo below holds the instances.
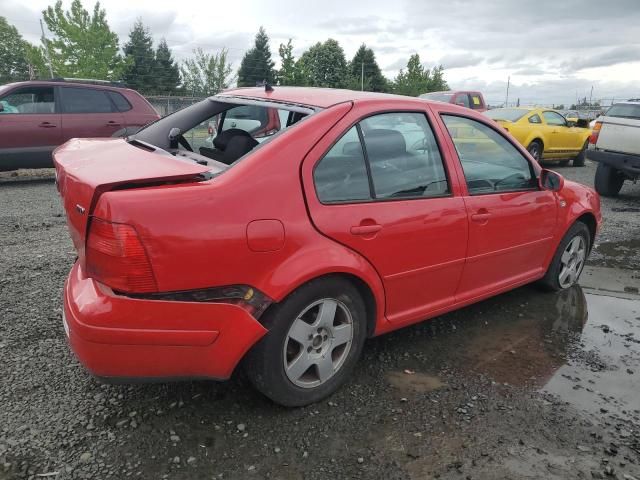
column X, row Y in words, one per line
column 403, row 156
column 535, row 119
column 476, row 102
column 554, row 119
column 85, row 100
column 29, row 100
column 341, row 175
column 490, row 162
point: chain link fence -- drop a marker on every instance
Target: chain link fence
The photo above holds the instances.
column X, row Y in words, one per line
column 166, row 105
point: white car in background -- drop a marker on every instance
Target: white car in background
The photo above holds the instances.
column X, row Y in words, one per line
column 615, row 145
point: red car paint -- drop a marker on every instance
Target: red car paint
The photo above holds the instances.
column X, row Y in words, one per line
column 261, row 224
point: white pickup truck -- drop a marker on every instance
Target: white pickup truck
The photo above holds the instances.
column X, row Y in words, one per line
column 615, row 145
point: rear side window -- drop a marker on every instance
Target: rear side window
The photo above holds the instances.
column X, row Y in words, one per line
column 121, row 103
column 403, row 156
column 462, row 99
column 341, row 176
column 490, row 162
column 535, row 119
column 624, row 110
column 85, row 100
column 29, row 100
column 476, row 102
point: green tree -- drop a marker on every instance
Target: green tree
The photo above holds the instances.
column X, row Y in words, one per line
column 166, row 71
column 138, row 73
column 257, row 65
column 83, row 44
column 364, row 72
column 288, row 73
column 206, row 74
column 417, row 79
column 323, row 65
column 13, row 54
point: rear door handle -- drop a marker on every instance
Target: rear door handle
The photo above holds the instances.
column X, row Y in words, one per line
column 47, row 125
column 481, row 216
column 111, row 123
column 366, row 229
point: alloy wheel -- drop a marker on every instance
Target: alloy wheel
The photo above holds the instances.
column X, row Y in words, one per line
column 572, row 261
column 318, row 343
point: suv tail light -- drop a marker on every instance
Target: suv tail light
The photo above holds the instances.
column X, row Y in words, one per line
column 116, row 257
column 594, row 133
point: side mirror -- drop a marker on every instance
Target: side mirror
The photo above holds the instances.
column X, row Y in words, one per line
column 174, row 135
column 550, row 180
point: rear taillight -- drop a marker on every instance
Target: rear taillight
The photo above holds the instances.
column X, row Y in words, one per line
column 116, row 257
column 594, row 133
column 210, row 130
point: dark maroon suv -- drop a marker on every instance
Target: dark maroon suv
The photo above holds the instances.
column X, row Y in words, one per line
column 37, row 116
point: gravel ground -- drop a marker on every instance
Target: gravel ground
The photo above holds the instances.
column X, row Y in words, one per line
column 525, row 385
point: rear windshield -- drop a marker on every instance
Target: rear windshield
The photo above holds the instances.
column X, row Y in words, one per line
column 624, row 110
column 437, row 96
column 509, row 114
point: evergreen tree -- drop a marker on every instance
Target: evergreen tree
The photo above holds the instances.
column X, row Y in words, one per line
column 417, row 79
column 364, row 72
column 323, row 65
column 139, row 72
column 257, row 66
column 288, row 73
column 83, row 45
column 166, row 72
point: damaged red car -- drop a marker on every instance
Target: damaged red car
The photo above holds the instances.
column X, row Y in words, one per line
column 282, row 252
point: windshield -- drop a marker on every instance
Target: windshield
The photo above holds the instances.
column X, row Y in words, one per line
column 624, row 110
column 509, row 114
column 438, row 96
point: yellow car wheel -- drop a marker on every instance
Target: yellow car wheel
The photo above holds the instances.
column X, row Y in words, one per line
column 535, row 150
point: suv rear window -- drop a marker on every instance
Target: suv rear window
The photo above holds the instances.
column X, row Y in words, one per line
column 122, row 104
column 85, row 100
column 624, row 110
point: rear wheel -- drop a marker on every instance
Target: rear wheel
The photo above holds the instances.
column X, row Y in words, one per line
column 535, row 150
column 582, row 156
column 608, row 180
column 315, row 338
column 567, row 263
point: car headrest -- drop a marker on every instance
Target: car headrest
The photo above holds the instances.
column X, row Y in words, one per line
column 352, row 149
column 237, row 147
column 222, row 139
column 384, row 143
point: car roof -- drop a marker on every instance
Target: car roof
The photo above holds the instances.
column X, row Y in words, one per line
column 313, row 96
column 53, row 83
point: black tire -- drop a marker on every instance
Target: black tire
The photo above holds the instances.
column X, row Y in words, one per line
column 551, row 279
column 265, row 363
column 535, row 149
column 582, row 156
column 608, row 180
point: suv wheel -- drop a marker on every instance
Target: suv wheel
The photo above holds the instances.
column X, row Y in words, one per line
column 608, row 180
column 315, row 338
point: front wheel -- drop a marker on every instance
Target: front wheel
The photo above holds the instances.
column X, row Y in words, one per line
column 608, row 180
column 569, row 259
column 315, row 338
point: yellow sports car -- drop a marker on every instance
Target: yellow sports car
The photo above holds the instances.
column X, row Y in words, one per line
column 545, row 133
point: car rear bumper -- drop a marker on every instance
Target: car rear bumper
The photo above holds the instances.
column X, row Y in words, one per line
column 620, row 161
column 118, row 337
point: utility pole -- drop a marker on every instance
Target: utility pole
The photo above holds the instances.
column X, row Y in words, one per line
column 46, row 49
column 506, row 101
column 590, row 97
column 362, row 76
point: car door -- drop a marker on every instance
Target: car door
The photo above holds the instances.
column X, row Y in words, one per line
column 30, row 127
column 511, row 220
column 88, row 112
column 559, row 136
column 379, row 186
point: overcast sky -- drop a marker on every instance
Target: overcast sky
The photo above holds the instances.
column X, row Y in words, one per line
column 553, row 50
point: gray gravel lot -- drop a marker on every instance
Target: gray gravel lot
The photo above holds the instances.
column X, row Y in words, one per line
column 525, row 385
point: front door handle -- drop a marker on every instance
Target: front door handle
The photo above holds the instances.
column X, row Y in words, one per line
column 47, row 125
column 111, row 123
column 366, row 229
column 481, row 216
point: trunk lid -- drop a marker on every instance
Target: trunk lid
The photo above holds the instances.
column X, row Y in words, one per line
column 85, row 168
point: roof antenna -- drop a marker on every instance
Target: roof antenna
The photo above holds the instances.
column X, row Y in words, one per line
column 267, row 87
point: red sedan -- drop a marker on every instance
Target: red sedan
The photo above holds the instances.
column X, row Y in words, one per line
column 361, row 214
